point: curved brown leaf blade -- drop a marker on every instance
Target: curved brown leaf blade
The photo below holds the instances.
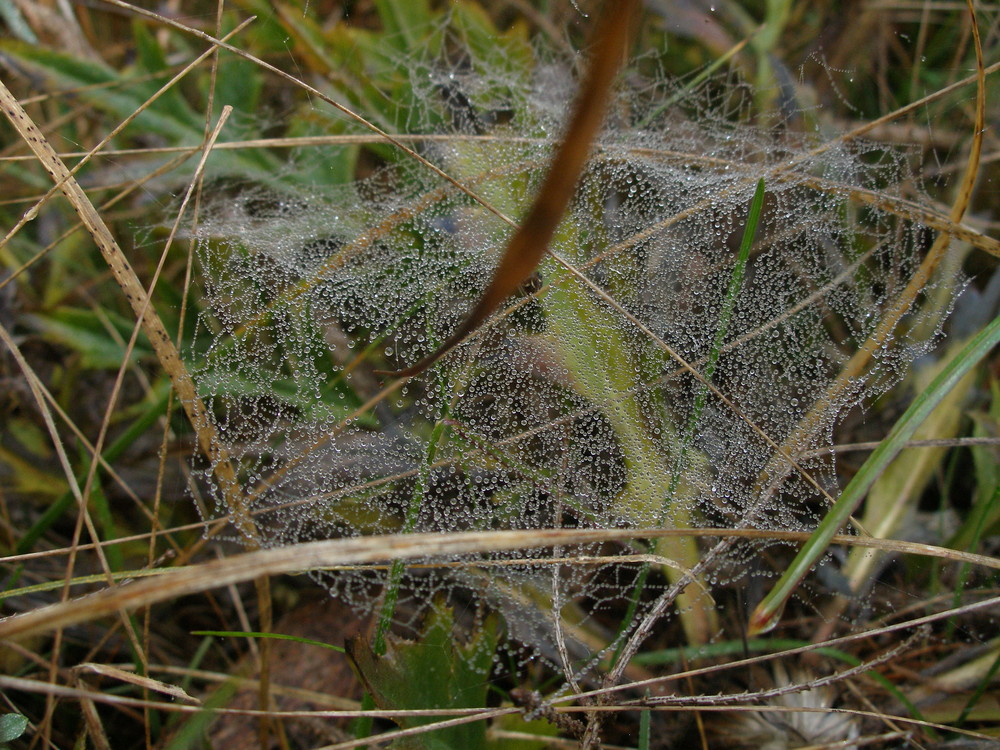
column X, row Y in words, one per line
column 530, row 241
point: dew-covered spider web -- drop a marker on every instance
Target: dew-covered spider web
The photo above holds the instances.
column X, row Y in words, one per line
column 572, row 407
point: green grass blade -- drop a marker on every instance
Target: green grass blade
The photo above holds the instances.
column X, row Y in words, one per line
column 93, row 578
column 644, row 728
column 56, row 510
column 736, row 280
column 725, row 316
column 274, row 636
column 979, row 692
column 191, row 734
column 388, row 609
column 768, row 612
column 113, row 451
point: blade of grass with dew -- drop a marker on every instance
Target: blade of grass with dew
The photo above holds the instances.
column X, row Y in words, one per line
column 725, row 316
column 768, row 612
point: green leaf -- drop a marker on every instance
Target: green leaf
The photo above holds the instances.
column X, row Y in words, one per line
column 150, row 54
column 16, row 23
column 34, row 439
column 146, row 418
column 404, row 21
column 170, row 116
column 12, row 726
column 191, row 732
column 239, row 84
column 505, row 50
column 164, row 118
column 435, row 672
column 30, row 477
column 85, row 333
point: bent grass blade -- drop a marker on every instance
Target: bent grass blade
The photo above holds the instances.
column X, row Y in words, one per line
column 767, row 614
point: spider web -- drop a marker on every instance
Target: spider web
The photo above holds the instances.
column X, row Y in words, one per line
column 571, row 407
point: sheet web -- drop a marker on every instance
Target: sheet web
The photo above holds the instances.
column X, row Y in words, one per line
column 567, row 409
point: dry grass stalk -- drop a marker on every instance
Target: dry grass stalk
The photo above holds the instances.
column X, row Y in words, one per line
column 176, row 582
column 135, row 293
